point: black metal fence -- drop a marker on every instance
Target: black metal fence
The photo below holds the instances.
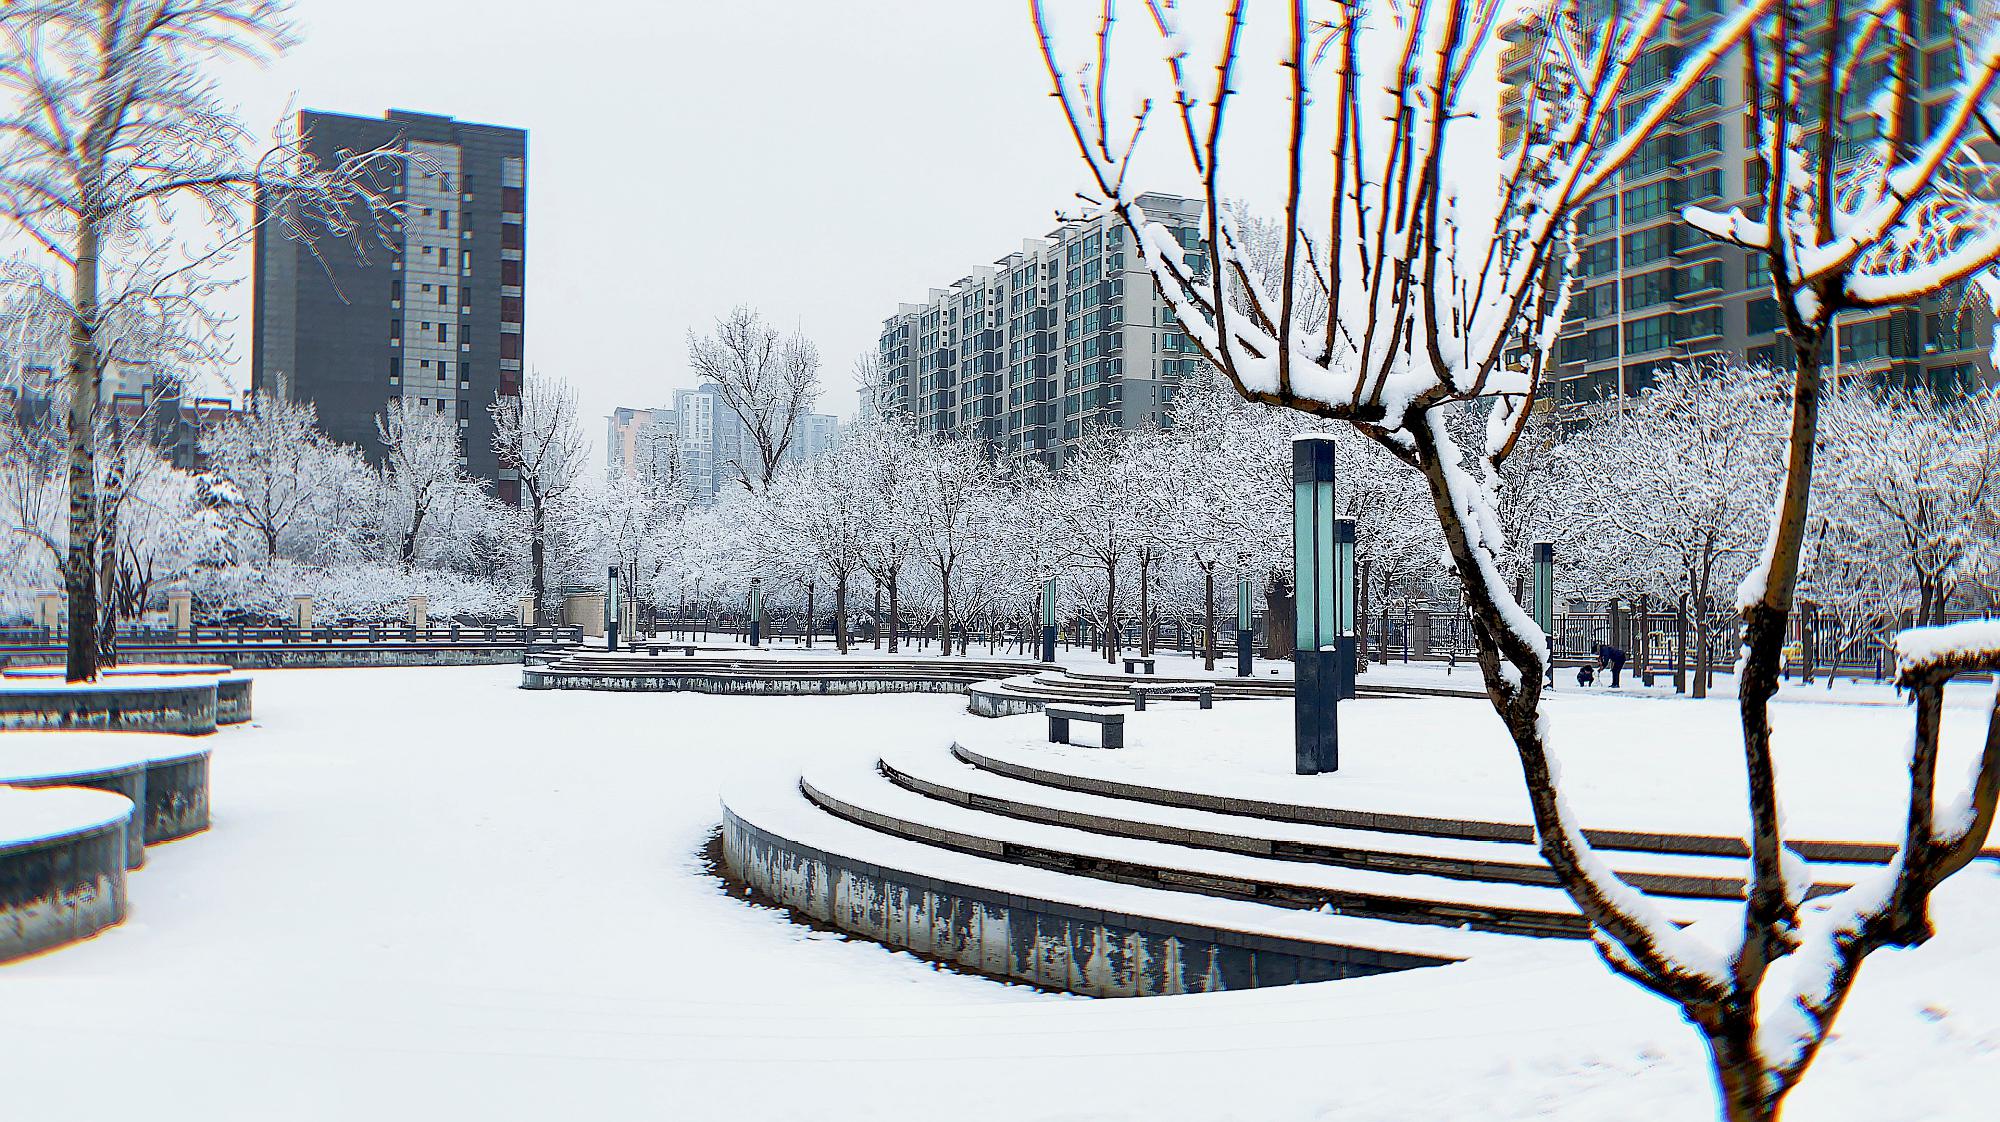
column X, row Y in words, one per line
column 355, row 634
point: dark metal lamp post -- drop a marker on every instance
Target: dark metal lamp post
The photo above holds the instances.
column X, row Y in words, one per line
column 756, row 611
column 1544, row 606
column 611, row 608
column 1323, row 580
column 1049, row 620
column 1245, row 641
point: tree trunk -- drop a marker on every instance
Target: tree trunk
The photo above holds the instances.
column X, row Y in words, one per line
column 1280, row 619
column 1145, row 604
column 840, row 613
column 80, row 561
column 537, row 549
column 410, row 538
column 1111, row 610
column 944, row 599
column 1701, row 624
column 1208, row 603
column 878, row 613
column 895, row 614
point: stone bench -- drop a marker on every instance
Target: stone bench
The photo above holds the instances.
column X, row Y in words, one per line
column 1190, row 691
column 98, row 762
column 232, row 690
column 1111, row 723
column 685, row 648
column 62, row 867
column 185, row 706
column 1130, row 662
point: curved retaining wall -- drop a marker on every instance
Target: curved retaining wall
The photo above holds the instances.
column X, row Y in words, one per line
column 161, row 705
column 1040, row 942
column 274, row 656
column 127, row 779
column 176, row 796
column 232, row 695
column 64, row 887
column 539, row 678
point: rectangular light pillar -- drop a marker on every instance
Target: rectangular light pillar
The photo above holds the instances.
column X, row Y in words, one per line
column 1049, row 620
column 1543, row 606
column 1315, row 574
column 756, row 611
column 611, row 608
column 1245, row 640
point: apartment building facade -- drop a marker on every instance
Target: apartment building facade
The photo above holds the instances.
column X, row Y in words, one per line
column 1650, row 291
column 1034, row 352
column 434, row 317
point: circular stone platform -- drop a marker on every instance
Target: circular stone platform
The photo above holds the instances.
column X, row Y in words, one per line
column 232, row 690
column 181, row 705
column 100, row 763
column 62, row 867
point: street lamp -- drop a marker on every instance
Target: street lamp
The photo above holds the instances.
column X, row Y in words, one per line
column 1323, row 590
column 1244, row 640
column 1049, row 620
column 1544, row 606
column 611, row 608
column 756, row 611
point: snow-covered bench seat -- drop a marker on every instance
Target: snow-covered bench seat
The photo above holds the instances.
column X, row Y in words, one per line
column 114, row 703
column 62, row 866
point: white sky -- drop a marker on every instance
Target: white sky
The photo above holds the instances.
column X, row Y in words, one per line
column 820, row 161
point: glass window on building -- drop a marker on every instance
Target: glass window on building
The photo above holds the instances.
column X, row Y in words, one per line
column 1643, row 204
column 1648, row 246
column 1649, row 334
column 1649, row 289
column 1700, row 324
column 1945, row 331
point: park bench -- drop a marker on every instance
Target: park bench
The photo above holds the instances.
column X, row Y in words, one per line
column 1202, row 692
column 1130, row 661
column 1110, row 722
column 654, row 649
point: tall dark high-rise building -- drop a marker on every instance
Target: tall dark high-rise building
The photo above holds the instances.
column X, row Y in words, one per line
column 434, row 316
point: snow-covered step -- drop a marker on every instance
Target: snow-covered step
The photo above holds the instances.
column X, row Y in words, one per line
column 862, row 794
column 1257, row 802
column 1059, row 930
column 939, row 774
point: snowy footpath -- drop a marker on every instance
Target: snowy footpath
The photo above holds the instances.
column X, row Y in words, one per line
column 431, row 895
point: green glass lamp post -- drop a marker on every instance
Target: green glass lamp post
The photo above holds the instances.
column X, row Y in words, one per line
column 756, row 611
column 611, row 608
column 1323, row 583
column 1049, row 620
column 1544, row 607
column 1245, row 641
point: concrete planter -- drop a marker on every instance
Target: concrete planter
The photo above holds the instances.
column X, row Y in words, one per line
column 62, row 868
column 111, row 704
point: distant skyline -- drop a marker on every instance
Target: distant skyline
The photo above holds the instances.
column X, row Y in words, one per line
column 821, row 163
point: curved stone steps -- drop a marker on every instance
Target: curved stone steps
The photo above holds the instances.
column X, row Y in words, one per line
column 939, row 775
column 1001, row 763
column 863, row 795
column 1055, row 929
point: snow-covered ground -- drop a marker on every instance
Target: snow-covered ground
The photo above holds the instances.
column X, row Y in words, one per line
column 431, row 895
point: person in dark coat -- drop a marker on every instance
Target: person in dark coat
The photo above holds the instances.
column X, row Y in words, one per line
column 1609, row 656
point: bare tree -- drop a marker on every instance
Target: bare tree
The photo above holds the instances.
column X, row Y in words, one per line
column 111, row 124
column 263, row 458
column 1446, row 280
column 423, row 471
column 769, row 381
column 536, row 435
